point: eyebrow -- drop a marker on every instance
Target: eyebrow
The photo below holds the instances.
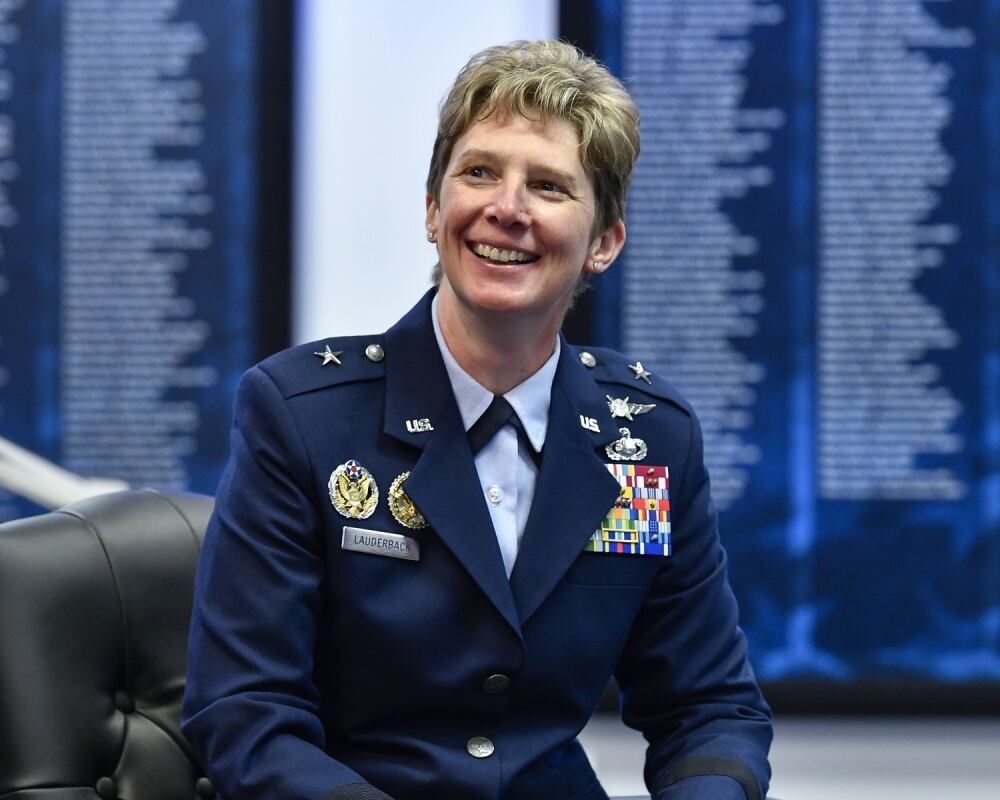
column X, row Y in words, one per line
column 477, row 154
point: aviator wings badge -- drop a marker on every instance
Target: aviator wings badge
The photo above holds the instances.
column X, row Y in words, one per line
column 623, row 409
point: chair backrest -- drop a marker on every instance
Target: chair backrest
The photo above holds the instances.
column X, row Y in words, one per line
column 95, row 601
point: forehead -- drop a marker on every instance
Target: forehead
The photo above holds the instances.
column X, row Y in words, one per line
column 550, row 142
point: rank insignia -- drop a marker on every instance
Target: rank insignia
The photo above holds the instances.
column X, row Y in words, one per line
column 623, row 409
column 627, row 448
column 641, row 373
column 330, row 356
column 353, row 491
column 639, row 522
column 402, row 507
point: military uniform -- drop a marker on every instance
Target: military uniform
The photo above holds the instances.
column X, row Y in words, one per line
column 322, row 669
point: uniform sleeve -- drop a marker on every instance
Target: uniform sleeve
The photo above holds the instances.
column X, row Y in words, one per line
column 251, row 705
column 685, row 679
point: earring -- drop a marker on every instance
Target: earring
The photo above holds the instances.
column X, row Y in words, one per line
column 596, row 266
column 431, row 236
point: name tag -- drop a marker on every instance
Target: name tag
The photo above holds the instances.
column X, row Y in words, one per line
column 380, row 543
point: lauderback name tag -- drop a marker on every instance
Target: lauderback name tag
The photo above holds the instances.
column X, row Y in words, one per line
column 639, row 522
column 380, row 543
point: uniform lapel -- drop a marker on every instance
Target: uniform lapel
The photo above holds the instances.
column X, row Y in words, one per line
column 574, row 489
column 443, row 482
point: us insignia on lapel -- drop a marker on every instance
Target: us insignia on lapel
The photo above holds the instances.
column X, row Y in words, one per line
column 353, row 491
column 639, row 522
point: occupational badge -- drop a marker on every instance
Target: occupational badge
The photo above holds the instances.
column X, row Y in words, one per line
column 353, row 491
column 402, row 507
column 639, row 521
column 627, row 448
column 623, row 409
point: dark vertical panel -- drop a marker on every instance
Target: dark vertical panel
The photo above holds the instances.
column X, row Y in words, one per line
column 858, row 468
column 145, row 221
column 274, row 162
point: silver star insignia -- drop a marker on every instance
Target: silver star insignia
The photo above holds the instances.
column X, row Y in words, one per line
column 640, row 372
column 623, row 409
column 330, row 356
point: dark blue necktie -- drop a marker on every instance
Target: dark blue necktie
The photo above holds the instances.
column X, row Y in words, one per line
column 498, row 414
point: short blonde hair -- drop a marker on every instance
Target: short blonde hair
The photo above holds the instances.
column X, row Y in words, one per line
column 553, row 80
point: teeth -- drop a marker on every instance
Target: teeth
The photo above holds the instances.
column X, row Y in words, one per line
column 503, row 256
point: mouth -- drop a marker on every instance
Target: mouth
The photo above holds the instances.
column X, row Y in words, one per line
column 496, row 255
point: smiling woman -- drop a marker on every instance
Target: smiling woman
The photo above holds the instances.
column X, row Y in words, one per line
column 514, row 227
column 452, row 639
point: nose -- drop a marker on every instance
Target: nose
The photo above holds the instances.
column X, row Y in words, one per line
column 508, row 205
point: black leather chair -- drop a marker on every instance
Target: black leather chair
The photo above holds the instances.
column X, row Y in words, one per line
column 94, row 606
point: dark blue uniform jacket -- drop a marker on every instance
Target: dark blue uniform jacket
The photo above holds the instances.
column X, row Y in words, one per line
column 323, row 673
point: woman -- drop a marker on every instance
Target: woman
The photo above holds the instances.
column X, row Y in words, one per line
column 433, row 547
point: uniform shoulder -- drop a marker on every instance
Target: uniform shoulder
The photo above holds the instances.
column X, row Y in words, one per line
column 611, row 367
column 326, row 362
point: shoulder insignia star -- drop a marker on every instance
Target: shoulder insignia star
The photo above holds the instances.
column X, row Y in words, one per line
column 623, row 409
column 330, row 356
column 640, row 372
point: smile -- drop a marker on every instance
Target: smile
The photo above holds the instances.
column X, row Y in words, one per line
column 498, row 256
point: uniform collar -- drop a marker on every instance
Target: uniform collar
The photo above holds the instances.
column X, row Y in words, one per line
column 443, row 483
column 530, row 398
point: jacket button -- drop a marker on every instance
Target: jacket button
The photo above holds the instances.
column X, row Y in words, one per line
column 106, row 788
column 204, row 789
column 496, row 684
column 587, row 359
column 480, row 747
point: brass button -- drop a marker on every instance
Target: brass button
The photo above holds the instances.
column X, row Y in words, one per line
column 480, row 747
column 587, row 359
column 496, row 684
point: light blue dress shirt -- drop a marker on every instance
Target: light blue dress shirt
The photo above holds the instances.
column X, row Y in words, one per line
column 506, row 470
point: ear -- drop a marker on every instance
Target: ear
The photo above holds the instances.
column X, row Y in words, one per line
column 430, row 221
column 605, row 248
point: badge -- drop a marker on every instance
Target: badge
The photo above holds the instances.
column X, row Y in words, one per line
column 380, row 543
column 353, row 491
column 402, row 507
column 627, row 448
column 639, row 522
column 623, row 409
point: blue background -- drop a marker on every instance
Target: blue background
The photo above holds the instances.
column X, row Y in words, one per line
column 855, row 591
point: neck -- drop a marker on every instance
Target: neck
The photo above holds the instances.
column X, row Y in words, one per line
column 499, row 350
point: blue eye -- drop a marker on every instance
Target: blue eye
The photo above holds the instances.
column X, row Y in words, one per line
column 476, row 172
column 551, row 186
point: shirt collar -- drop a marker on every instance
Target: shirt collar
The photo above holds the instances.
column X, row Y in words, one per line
column 530, row 398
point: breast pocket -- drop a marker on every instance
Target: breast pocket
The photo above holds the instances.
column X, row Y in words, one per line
column 613, row 569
